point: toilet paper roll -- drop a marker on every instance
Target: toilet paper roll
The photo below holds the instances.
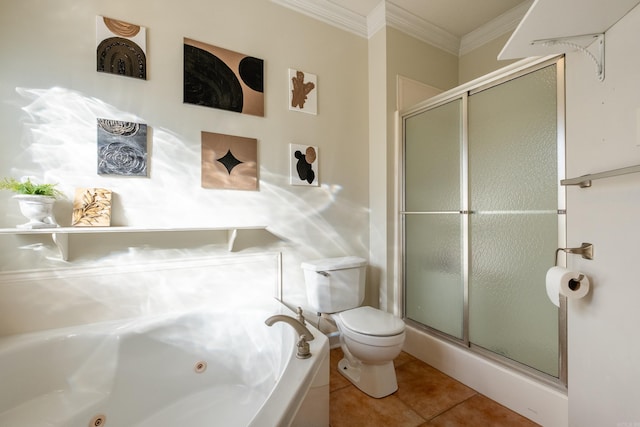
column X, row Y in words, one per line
column 571, row 284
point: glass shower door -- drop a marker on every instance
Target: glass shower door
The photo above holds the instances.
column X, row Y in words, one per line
column 514, row 222
column 481, row 218
column 433, row 270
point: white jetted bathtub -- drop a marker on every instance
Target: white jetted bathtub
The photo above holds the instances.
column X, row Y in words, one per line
column 197, row 369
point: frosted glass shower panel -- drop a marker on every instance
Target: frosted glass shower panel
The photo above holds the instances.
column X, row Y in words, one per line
column 513, row 189
column 434, row 288
column 513, row 135
column 509, row 312
column 432, row 159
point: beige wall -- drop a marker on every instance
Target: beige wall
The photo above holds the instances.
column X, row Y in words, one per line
column 378, row 164
column 50, row 96
column 482, row 60
column 419, row 61
column 393, row 53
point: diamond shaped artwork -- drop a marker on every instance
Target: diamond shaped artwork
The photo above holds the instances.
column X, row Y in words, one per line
column 229, row 162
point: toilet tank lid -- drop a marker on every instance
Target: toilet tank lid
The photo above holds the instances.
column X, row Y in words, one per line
column 371, row 321
column 339, row 263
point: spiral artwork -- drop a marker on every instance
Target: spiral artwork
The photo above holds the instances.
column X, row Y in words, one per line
column 122, row 148
column 121, row 48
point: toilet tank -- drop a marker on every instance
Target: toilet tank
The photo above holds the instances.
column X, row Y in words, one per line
column 335, row 284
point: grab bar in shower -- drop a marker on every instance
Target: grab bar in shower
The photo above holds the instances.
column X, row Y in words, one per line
column 585, row 180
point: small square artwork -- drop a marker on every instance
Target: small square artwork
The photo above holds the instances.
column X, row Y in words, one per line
column 122, row 148
column 91, row 207
column 229, row 162
column 121, row 48
column 219, row 78
column 303, row 91
column 304, row 165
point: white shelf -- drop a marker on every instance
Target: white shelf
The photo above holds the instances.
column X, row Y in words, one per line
column 60, row 235
column 558, row 19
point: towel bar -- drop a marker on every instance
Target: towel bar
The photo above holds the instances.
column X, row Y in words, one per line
column 585, row 180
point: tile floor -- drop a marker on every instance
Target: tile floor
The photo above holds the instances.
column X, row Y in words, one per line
column 426, row 397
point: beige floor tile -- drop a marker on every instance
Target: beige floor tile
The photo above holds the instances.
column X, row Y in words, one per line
column 425, row 398
column 428, row 391
column 350, row 407
column 403, row 358
column 336, row 379
column 480, row 411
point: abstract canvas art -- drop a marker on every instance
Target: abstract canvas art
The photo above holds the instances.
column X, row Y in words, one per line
column 304, row 165
column 122, row 148
column 219, row 78
column 229, row 162
column 121, row 48
column 91, row 207
column 303, row 90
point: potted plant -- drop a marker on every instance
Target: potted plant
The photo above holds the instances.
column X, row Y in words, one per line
column 35, row 201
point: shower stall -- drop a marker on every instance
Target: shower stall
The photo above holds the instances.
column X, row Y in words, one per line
column 481, row 215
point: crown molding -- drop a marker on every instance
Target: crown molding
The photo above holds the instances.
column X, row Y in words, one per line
column 498, row 26
column 404, row 21
column 388, row 14
column 377, row 19
column 329, row 13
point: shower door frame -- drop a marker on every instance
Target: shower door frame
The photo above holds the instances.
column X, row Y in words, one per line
column 508, row 73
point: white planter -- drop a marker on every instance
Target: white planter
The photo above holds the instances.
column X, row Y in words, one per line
column 38, row 210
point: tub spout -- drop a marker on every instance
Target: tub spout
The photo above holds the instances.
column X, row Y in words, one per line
column 304, row 334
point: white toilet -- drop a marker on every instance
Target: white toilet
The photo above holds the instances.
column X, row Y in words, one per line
column 370, row 338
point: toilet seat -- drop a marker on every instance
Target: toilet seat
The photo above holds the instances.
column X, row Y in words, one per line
column 368, row 325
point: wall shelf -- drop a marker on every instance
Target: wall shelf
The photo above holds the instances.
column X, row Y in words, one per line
column 60, row 235
column 584, row 181
column 562, row 19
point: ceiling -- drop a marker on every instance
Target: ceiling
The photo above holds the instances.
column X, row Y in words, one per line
column 456, row 26
column 445, row 14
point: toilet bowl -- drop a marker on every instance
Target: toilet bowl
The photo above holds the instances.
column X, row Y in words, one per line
column 370, row 338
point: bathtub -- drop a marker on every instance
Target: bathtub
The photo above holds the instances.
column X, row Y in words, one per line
column 201, row 368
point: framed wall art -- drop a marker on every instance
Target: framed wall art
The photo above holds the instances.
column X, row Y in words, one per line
column 304, row 165
column 121, row 48
column 91, row 207
column 229, row 162
column 219, row 78
column 303, row 92
column 122, row 148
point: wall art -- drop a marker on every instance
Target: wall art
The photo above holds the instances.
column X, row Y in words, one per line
column 304, row 165
column 91, row 207
column 229, row 162
column 121, row 48
column 303, row 90
column 219, row 78
column 122, row 148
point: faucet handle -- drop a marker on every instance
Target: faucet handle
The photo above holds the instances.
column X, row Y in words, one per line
column 303, row 348
column 300, row 316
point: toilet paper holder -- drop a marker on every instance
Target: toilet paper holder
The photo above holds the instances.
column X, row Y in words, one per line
column 586, row 250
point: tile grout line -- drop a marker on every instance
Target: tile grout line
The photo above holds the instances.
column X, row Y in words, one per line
column 448, row 409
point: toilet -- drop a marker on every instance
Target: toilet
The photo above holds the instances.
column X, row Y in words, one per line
column 370, row 338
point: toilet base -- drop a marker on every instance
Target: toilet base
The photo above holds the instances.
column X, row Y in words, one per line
column 375, row 380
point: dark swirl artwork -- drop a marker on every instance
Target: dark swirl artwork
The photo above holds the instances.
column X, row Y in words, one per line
column 121, row 48
column 122, row 148
column 219, row 78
